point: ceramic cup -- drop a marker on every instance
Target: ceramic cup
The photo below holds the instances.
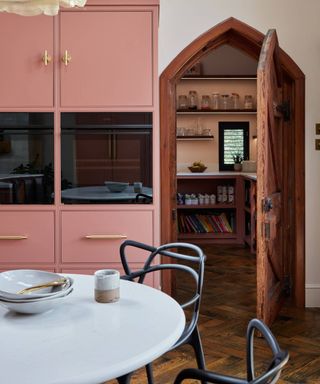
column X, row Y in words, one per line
column 137, row 187
column 107, row 285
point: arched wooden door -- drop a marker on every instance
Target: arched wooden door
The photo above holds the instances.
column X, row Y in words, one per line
column 242, row 36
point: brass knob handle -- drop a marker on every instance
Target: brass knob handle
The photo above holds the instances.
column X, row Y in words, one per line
column 46, row 58
column 66, row 58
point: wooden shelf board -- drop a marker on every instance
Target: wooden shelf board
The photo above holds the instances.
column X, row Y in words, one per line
column 219, row 77
column 211, row 235
column 218, row 112
column 207, row 206
column 196, row 138
column 205, row 175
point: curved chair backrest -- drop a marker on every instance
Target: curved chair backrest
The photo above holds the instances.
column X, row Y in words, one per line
column 270, row 376
column 280, row 358
column 149, row 267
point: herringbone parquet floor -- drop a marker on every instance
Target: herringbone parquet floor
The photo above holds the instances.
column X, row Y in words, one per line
column 228, row 304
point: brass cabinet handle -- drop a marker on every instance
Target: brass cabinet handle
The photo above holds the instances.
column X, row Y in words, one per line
column 13, row 237
column 66, row 58
column 105, row 237
column 46, row 58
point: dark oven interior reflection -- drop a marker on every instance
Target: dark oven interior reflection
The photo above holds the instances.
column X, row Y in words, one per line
column 106, row 157
column 26, row 158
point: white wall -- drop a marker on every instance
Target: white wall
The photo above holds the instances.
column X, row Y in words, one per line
column 297, row 24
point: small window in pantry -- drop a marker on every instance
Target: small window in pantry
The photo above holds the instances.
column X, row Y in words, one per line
column 233, row 140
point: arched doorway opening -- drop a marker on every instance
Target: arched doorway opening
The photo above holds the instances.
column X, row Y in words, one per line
column 241, row 36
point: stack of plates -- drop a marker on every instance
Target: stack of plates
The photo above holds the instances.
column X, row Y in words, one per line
column 20, row 290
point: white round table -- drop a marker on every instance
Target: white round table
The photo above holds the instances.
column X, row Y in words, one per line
column 83, row 342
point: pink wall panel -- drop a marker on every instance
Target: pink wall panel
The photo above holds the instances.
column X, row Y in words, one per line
column 38, row 227
column 111, row 63
column 25, row 80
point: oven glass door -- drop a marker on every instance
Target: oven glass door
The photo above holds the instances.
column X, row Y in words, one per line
column 26, row 158
column 106, row 158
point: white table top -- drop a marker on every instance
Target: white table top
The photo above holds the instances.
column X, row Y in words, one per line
column 84, row 342
column 101, row 193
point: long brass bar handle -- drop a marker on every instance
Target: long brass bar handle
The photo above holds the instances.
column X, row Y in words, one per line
column 66, row 58
column 13, row 237
column 46, row 58
column 105, row 237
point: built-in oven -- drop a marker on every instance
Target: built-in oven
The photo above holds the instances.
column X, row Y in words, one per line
column 26, row 157
column 102, row 147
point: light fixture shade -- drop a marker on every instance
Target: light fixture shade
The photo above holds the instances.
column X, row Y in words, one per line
column 38, row 7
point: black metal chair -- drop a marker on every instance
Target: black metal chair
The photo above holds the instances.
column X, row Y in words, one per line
column 270, row 376
column 190, row 334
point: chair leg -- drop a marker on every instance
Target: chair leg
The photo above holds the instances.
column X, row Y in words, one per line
column 195, row 341
column 149, row 371
column 125, row 379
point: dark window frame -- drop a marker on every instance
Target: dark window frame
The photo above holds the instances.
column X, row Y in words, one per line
column 245, row 126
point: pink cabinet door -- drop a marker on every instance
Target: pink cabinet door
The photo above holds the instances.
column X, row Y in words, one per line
column 110, row 59
column 25, row 79
column 26, row 237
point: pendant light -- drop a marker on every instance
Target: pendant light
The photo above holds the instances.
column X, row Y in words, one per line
column 38, row 7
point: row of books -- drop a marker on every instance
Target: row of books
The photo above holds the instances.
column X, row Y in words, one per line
column 205, row 223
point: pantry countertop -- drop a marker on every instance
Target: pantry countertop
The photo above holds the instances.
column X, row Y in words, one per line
column 249, row 175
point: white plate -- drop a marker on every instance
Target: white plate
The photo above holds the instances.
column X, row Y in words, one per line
column 13, row 281
column 34, row 307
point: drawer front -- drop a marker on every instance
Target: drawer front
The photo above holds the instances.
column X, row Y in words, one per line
column 26, row 237
column 92, row 237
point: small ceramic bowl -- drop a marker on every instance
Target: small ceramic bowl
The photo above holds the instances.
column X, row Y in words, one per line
column 114, row 186
column 11, row 282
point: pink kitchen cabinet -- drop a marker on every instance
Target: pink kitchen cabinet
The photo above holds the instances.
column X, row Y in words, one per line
column 103, row 60
column 111, row 64
column 26, row 80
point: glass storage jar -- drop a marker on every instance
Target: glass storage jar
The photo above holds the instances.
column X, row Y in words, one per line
column 193, row 100
column 235, row 101
column 215, row 100
column 183, row 102
column 205, row 102
column 224, row 101
column 248, row 102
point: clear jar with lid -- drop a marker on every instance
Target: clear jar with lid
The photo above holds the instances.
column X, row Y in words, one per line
column 205, row 102
column 193, row 100
column 235, row 101
column 182, row 102
column 215, row 100
column 225, row 101
column 248, row 102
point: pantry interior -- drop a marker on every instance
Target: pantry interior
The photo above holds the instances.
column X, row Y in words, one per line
column 216, row 122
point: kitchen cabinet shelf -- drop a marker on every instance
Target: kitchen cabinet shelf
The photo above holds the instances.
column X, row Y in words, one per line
column 195, row 138
column 218, row 112
column 222, row 77
column 207, row 206
column 210, row 223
